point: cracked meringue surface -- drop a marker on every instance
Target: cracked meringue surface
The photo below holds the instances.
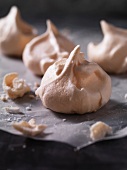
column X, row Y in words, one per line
column 111, row 53
column 15, row 33
column 74, row 85
column 45, row 49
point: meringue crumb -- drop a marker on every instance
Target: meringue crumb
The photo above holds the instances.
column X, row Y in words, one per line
column 13, row 86
column 28, row 108
column 31, row 96
column 12, row 109
column 29, row 128
column 99, row 130
column 3, row 97
column 125, row 96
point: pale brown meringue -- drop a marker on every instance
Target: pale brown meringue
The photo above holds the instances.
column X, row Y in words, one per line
column 45, row 49
column 29, row 128
column 111, row 53
column 99, row 130
column 13, row 86
column 74, row 85
column 14, row 33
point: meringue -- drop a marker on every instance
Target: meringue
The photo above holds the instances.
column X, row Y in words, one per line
column 111, row 53
column 74, row 85
column 45, row 49
column 29, row 128
column 99, row 130
column 3, row 97
column 14, row 33
column 13, row 86
column 12, row 109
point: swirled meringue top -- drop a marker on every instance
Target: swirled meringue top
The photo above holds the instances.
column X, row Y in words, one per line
column 111, row 53
column 74, row 85
column 45, row 49
column 14, row 33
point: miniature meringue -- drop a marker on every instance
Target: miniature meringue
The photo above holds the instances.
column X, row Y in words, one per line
column 111, row 53
column 74, row 85
column 45, row 49
column 14, row 33
column 14, row 87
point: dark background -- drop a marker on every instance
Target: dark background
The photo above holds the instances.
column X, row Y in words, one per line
column 37, row 8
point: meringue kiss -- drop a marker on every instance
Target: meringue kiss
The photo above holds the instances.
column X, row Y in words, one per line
column 74, row 85
column 111, row 53
column 14, row 33
column 45, row 49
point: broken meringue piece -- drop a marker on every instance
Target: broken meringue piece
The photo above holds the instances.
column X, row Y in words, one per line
column 15, row 33
column 74, row 85
column 125, row 96
column 45, row 49
column 99, row 130
column 29, row 128
column 13, row 109
column 3, row 97
column 13, row 86
column 111, row 53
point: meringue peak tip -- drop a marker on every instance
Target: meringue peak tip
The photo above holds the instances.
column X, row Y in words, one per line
column 105, row 24
column 106, row 27
column 77, row 49
column 103, row 21
column 51, row 26
column 76, row 55
column 48, row 21
column 14, row 9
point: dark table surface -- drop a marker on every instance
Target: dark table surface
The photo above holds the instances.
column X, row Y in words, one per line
column 21, row 153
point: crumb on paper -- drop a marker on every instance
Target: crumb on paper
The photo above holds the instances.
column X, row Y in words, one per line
column 99, row 130
column 13, row 86
column 28, row 108
column 4, row 97
column 29, row 128
column 125, row 96
column 32, row 96
column 12, row 109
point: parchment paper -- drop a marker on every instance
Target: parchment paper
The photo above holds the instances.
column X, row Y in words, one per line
column 71, row 129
